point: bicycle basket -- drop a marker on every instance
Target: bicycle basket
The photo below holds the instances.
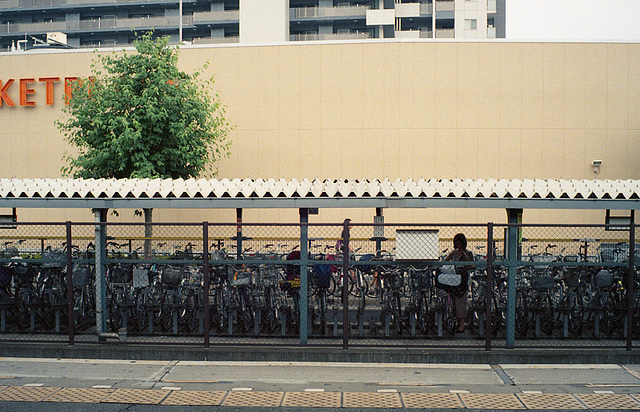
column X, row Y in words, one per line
column 23, row 273
column 572, row 278
column 10, row 252
column 53, row 258
column 322, row 275
column 570, row 258
column 120, row 274
column 171, row 277
column 81, row 275
column 241, row 279
column 543, row 282
column 140, row 277
column 6, row 274
column 603, row 279
column 289, row 285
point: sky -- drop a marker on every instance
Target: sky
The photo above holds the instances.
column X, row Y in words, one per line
column 577, row 20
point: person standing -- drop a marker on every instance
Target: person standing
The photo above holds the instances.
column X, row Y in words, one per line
column 460, row 253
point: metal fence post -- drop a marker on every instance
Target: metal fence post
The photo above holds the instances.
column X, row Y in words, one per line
column 100, row 280
column 630, row 279
column 304, row 284
column 207, row 280
column 513, row 239
column 70, row 285
column 345, row 284
column 489, row 287
column 239, row 233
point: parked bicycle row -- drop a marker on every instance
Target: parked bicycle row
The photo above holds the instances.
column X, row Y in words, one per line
column 385, row 300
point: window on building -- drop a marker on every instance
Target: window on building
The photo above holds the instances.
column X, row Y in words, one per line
column 470, row 24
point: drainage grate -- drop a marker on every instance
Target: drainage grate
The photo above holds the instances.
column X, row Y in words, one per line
column 136, row 396
column 491, row 401
column 371, row 400
column 431, row 400
column 258, row 398
column 608, row 401
column 207, row 398
column 26, row 394
column 550, row 401
column 86, row 395
column 312, row 399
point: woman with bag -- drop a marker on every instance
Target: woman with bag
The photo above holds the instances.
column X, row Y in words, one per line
column 460, row 253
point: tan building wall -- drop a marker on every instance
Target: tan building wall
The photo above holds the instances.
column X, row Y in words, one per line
column 383, row 109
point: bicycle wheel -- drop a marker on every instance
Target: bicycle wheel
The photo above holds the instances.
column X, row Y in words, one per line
column 115, row 316
column 547, row 318
column 360, row 285
column 522, row 317
column 576, row 315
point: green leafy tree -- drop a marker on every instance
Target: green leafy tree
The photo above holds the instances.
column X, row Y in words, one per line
column 138, row 116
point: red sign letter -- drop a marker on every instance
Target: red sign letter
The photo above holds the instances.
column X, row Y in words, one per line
column 24, row 91
column 4, row 96
column 49, row 87
column 67, row 88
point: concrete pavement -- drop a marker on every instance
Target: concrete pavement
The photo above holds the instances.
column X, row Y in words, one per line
column 317, row 385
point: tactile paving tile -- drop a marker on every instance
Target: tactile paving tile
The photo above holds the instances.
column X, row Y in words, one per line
column 88, row 395
column 258, row 398
column 431, row 400
column 195, row 398
column 491, row 401
column 312, row 399
column 136, row 396
column 371, row 400
column 608, row 401
column 26, row 393
column 550, row 401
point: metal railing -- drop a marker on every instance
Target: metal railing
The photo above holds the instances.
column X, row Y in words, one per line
column 102, row 23
column 216, row 16
column 319, row 284
column 17, row 4
column 315, row 12
column 329, row 36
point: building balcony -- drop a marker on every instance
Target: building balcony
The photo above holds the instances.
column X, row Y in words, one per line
column 328, row 12
column 445, row 6
column 29, row 4
column 216, row 40
column 216, row 16
column 445, row 34
column 426, row 8
column 331, row 36
column 105, row 23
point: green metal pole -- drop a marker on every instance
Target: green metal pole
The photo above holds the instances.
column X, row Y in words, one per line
column 515, row 216
column 207, row 281
column 70, row 284
column 239, row 233
column 630, row 279
column 489, row 287
column 345, row 283
column 100, row 280
column 304, row 284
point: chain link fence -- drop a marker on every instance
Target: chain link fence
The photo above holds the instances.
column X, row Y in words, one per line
column 320, row 284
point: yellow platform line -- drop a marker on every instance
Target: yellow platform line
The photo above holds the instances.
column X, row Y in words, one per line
column 372, row 400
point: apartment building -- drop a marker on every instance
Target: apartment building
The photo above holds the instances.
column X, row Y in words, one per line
column 27, row 24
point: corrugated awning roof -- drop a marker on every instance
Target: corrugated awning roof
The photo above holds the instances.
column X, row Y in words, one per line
column 272, row 193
